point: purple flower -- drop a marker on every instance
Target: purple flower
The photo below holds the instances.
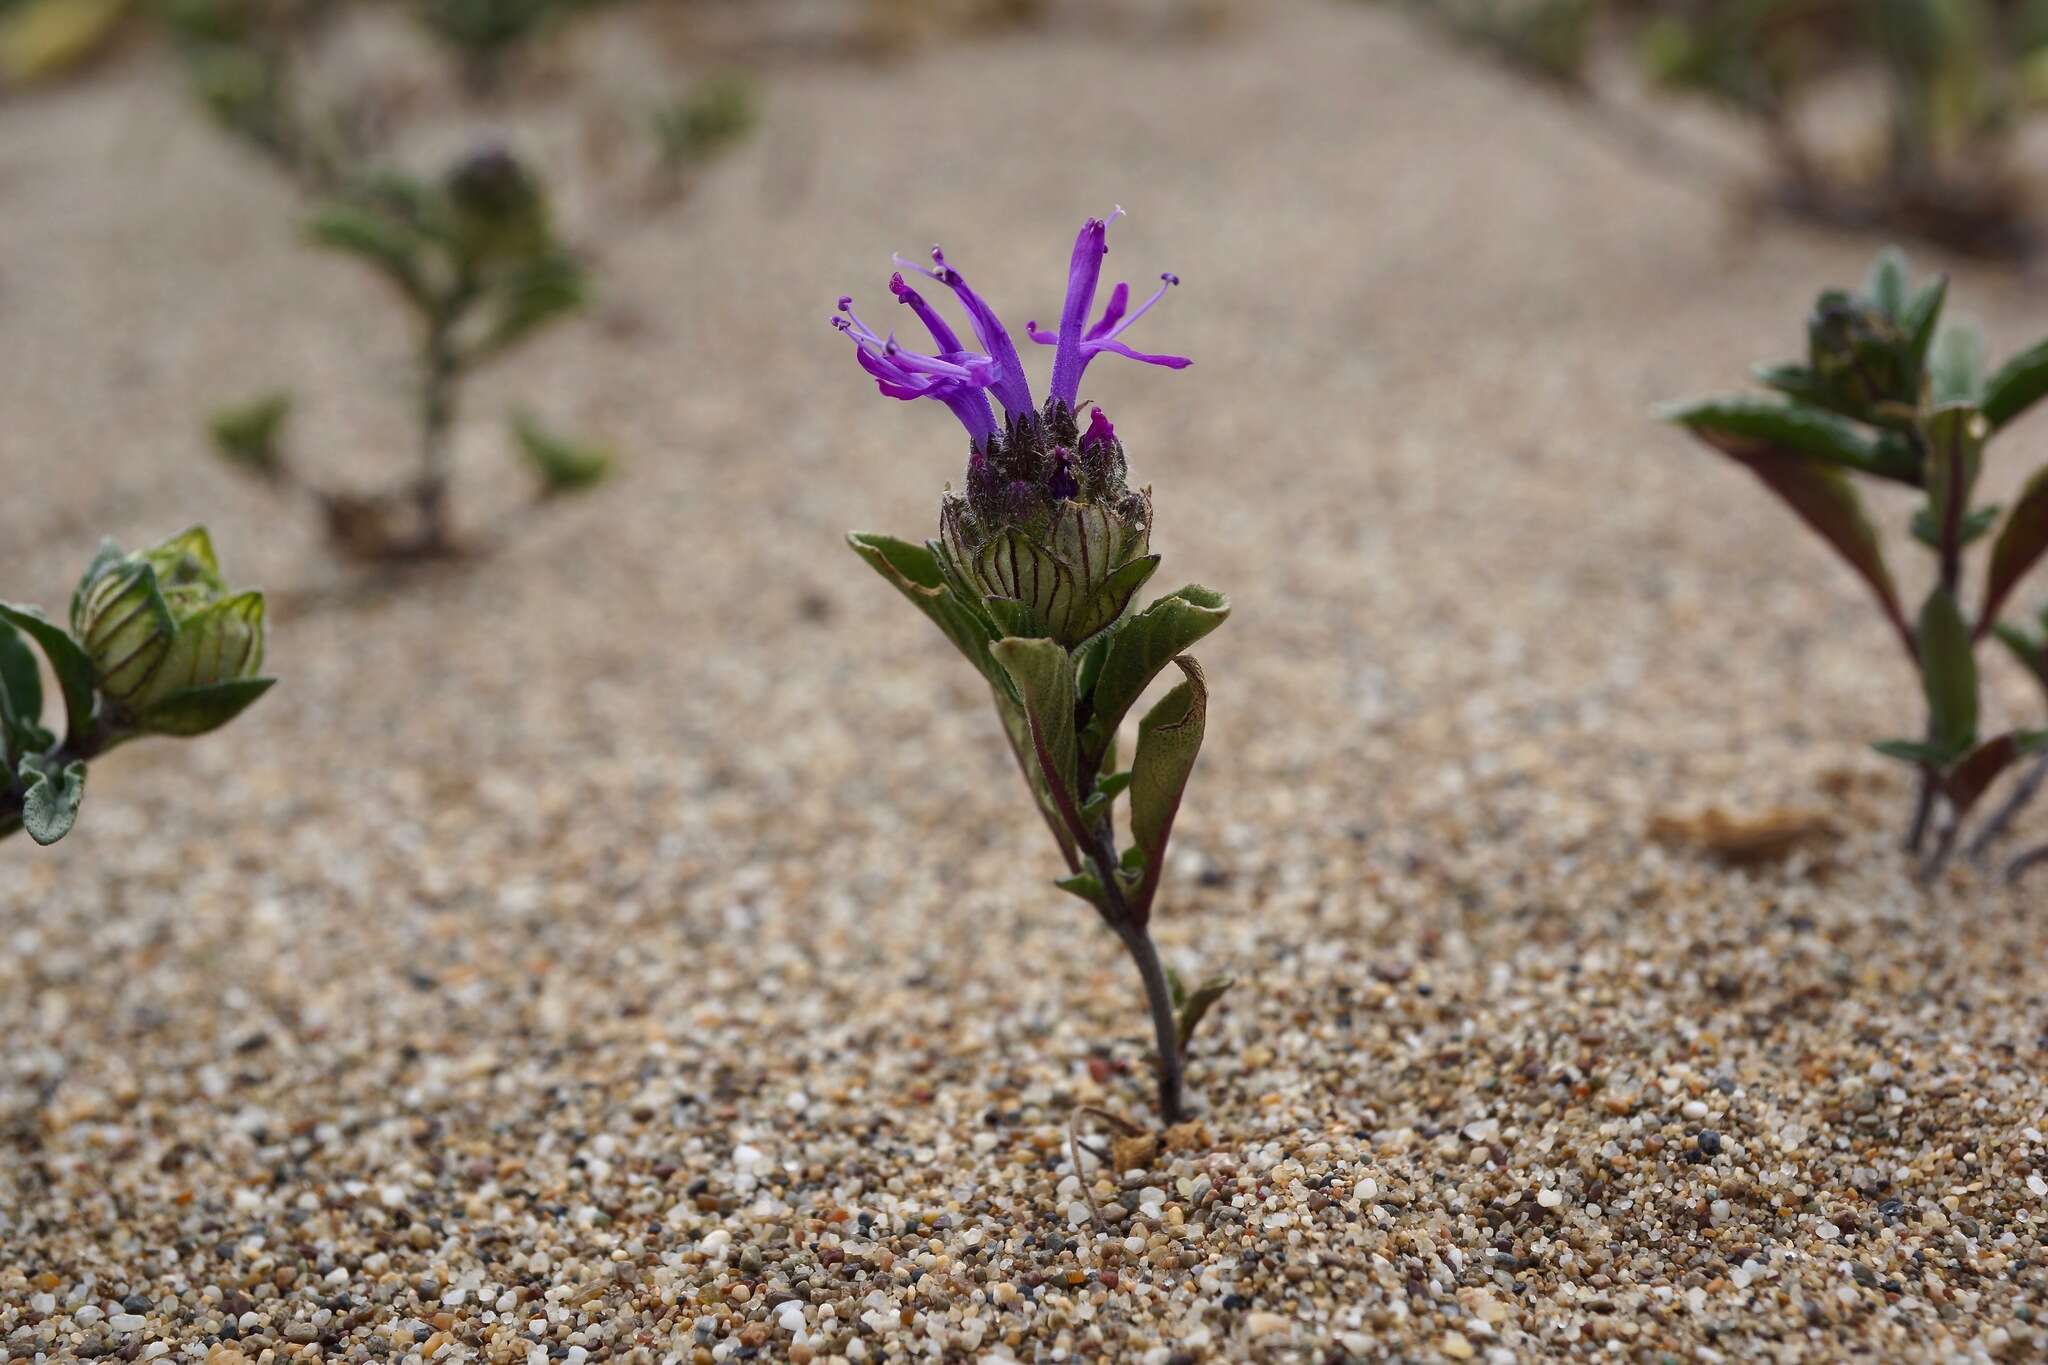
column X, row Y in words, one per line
column 964, row 380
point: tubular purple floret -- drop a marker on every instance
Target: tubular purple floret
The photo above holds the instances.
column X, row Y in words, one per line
column 1084, row 271
column 943, row 336
column 1008, row 384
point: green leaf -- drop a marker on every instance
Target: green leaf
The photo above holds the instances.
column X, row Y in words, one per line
column 1948, row 670
column 1886, row 284
column 535, row 294
column 1011, row 617
column 1922, row 319
column 1107, row 788
column 1169, row 739
column 2029, row 650
column 1084, row 885
column 386, row 245
column 2021, row 543
column 21, row 693
column 1043, row 672
column 1955, row 436
column 2017, row 386
column 1956, row 373
column 1794, row 381
column 49, row 807
column 563, row 466
column 1744, row 426
column 1136, row 651
column 915, row 572
column 67, row 661
column 1197, row 1004
column 195, row 710
column 1976, row 526
column 248, row 434
column 1917, row 752
column 1824, row 499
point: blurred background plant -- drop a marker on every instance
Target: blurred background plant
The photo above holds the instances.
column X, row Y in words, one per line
column 156, row 645
column 1890, row 393
column 476, row 259
column 1933, row 90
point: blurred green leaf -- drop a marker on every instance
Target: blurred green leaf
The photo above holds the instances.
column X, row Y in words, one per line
column 247, row 435
column 1976, row 526
column 708, row 121
column 196, row 710
column 2021, row 543
column 1922, row 321
column 2029, row 649
column 1948, row 670
column 1966, row 783
column 1954, row 436
column 1886, row 284
column 2017, row 386
column 1748, row 423
column 564, row 466
column 1955, row 373
column 529, row 297
column 390, row 247
column 21, row 692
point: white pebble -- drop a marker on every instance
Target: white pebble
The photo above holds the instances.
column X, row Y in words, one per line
column 1549, row 1199
column 127, row 1322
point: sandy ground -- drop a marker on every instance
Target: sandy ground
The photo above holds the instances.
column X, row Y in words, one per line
column 638, row 947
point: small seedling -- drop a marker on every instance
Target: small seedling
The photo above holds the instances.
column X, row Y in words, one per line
column 1032, row 576
column 476, row 259
column 157, row 645
column 561, row 465
column 1887, row 393
column 705, row 123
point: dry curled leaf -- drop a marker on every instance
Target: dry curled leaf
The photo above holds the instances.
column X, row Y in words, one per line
column 1746, row 840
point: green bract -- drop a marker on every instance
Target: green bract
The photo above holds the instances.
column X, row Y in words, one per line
column 160, row 624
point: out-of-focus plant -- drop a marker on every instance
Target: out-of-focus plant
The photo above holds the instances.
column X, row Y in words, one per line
column 157, row 645
column 486, row 32
column 702, row 125
column 562, row 465
column 1953, row 93
column 41, row 39
column 1549, row 39
column 1887, row 393
column 242, row 62
column 476, row 259
column 1032, row 576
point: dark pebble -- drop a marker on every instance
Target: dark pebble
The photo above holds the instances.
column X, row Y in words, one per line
column 1710, row 1142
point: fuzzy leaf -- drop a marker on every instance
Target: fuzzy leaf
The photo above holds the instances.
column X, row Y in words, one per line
column 1825, row 500
column 2017, row 386
column 1948, row 670
column 1956, row 373
column 915, row 572
column 67, row 661
column 49, row 807
column 1976, row 526
column 388, row 246
column 2021, row 543
column 196, row 710
column 1084, row 885
column 1885, row 286
column 1745, row 426
column 1043, row 673
column 1137, row 650
column 1169, row 739
column 248, row 435
column 540, row 291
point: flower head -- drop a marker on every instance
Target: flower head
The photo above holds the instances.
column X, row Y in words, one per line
column 160, row 623
column 967, row 379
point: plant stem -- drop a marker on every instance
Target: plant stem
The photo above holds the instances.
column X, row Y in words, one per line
column 1165, row 1028
column 2025, row 863
column 1923, row 811
column 1994, row 828
column 437, row 419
